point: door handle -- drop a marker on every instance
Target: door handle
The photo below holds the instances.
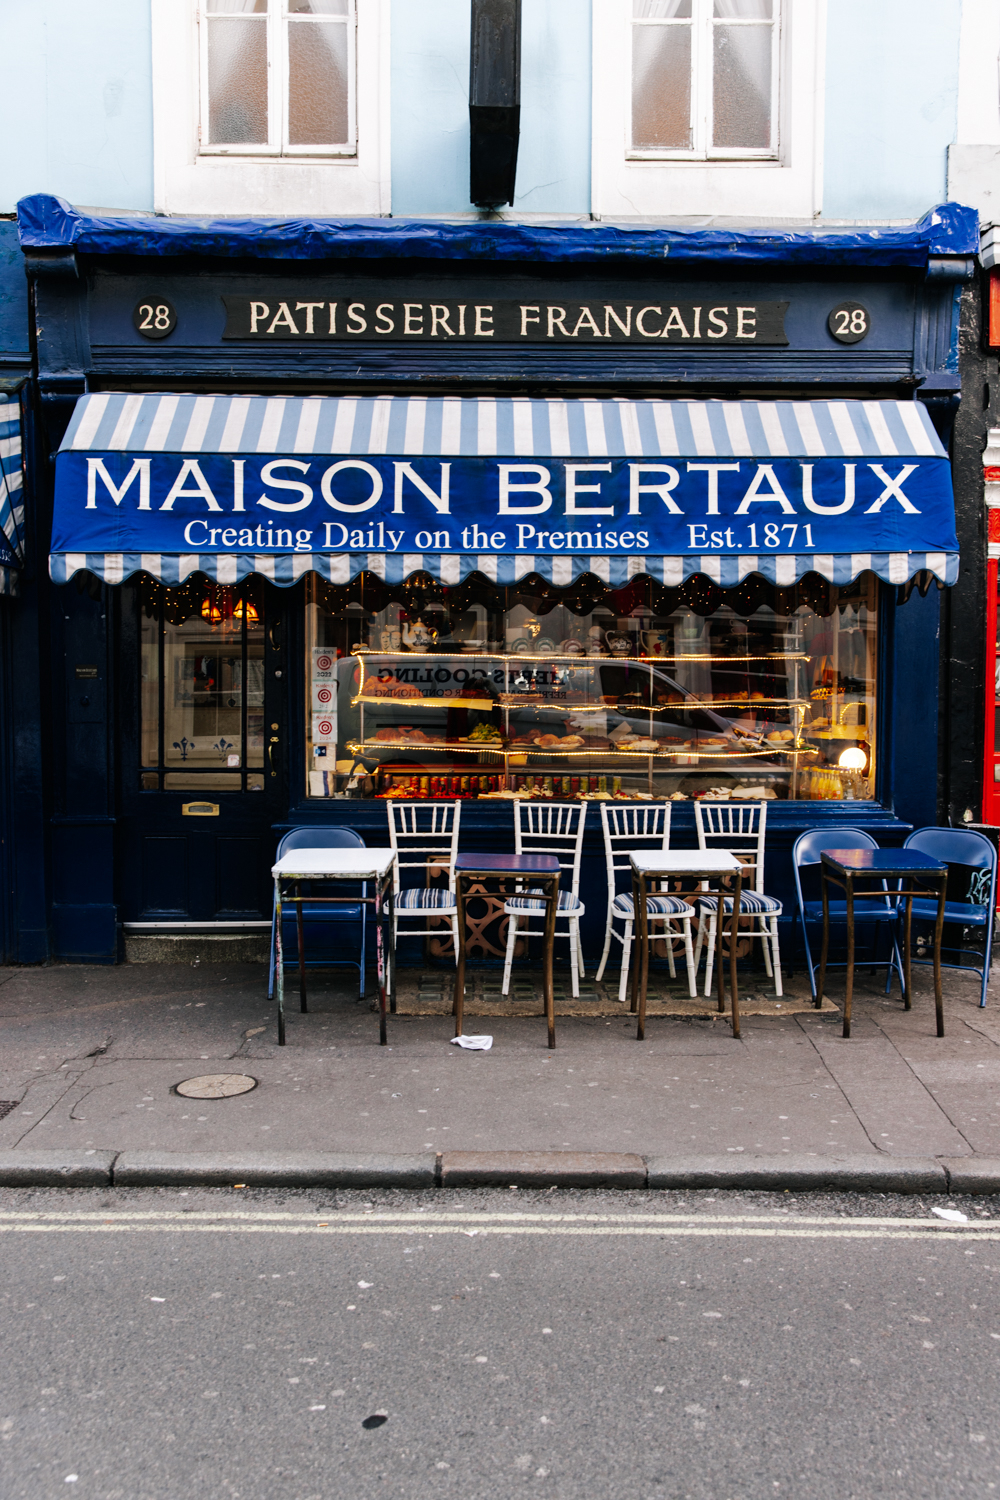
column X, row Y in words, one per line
column 270, row 756
column 271, row 635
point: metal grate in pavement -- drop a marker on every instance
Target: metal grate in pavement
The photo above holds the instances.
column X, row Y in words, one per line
column 6, row 1105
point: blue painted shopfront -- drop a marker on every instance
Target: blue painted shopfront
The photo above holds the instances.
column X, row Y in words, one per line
column 187, row 456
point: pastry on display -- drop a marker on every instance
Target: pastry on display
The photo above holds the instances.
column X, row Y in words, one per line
column 726, row 698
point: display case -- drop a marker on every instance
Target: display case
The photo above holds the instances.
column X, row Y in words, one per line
column 528, row 723
column 649, row 704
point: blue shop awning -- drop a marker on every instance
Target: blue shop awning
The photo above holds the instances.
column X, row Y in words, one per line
column 48, row 223
column 230, row 485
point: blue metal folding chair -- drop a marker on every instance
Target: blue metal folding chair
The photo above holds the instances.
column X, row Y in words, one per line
column 962, row 846
column 328, row 916
column 876, row 910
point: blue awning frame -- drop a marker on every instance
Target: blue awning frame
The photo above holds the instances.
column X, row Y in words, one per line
column 48, row 223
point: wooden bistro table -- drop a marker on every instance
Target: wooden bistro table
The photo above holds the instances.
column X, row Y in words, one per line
column 374, row 866
column 916, row 874
column 709, row 865
column 543, row 872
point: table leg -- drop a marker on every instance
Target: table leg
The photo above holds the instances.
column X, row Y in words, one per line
column 634, row 1006
column 907, row 923
column 279, row 960
column 720, row 973
column 825, row 950
column 300, row 935
column 458, row 1004
column 938, row 930
column 642, row 957
column 391, row 947
column 720, row 926
column 551, row 908
column 733, row 930
column 849, row 986
column 381, row 956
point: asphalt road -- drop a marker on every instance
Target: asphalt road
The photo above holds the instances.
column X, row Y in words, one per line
column 623, row 1346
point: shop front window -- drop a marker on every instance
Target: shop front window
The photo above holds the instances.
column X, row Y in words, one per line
column 202, row 687
column 426, row 690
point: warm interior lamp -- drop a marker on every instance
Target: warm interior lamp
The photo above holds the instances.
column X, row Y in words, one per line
column 216, row 610
column 852, row 760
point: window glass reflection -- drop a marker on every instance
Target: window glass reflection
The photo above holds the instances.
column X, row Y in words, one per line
column 202, row 690
column 433, row 691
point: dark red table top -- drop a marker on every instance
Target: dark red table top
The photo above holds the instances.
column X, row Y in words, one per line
column 507, row 864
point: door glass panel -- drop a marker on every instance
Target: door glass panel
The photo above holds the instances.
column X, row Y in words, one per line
column 149, row 689
column 202, row 698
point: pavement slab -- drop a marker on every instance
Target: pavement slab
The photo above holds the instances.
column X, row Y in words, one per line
column 892, row 1105
column 92, row 1058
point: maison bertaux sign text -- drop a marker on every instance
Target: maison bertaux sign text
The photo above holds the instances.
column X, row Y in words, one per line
column 324, row 314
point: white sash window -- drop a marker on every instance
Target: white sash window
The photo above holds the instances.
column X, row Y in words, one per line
column 705, row 76
column 278, row 77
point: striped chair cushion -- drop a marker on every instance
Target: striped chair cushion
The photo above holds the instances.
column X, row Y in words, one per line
column 656, row 906
column 417, row 898
column 567, row 903
column 752, row 904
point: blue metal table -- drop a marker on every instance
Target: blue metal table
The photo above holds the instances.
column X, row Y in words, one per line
column 916, row 874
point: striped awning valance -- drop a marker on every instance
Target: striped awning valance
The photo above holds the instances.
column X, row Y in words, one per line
column 450, row 568
column 173, row 485
column 487, row 426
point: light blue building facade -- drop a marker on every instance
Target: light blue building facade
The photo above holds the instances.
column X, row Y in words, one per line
column 692, row 176
column 76, row 105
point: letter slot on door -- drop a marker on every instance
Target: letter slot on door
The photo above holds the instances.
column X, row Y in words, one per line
column 85, row 692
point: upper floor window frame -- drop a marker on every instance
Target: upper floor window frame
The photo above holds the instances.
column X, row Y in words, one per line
column 190, row 180
column 746, row 189
column 275, row 18
column 703, row 26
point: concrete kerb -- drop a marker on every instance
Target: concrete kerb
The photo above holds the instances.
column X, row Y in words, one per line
column 973, row 1174
column 278, row 1169
column 859, row 1174
column 849, row 1174
column 579, row 1169
column 36, row 1169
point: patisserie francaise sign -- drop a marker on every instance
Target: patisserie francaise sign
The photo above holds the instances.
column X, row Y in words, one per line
column 305, row 503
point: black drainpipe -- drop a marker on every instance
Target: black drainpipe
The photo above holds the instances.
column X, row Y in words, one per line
column 494, row 101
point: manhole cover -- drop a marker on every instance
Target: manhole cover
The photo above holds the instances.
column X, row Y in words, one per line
column 217, row 1086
